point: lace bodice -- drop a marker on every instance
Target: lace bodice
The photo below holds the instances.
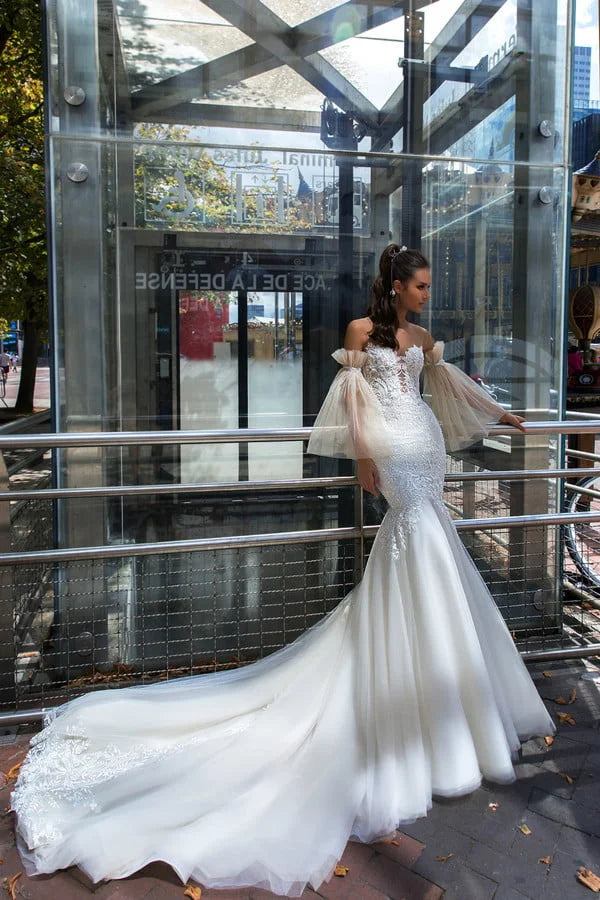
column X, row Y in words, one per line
column 393, row 376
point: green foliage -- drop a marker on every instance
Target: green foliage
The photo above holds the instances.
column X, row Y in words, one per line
column 23, row 269
column 201, row 189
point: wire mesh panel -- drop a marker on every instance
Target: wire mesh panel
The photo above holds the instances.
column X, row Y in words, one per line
column 519, row 567
column 156, row 617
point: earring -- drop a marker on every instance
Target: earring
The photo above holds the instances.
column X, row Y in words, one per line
column 392, row 293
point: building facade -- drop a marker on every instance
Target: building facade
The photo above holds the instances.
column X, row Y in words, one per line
column 582, row 63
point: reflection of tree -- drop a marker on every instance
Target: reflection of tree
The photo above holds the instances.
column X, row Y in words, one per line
column 184, row 187
column 150, row 63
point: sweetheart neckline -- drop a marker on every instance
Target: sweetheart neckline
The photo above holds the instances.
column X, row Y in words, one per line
column 395, row 352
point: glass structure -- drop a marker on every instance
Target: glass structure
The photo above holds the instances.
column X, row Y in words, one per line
column 223, row 177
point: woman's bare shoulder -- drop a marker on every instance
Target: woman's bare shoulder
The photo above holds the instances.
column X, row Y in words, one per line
column 425, row 338
column 357, row 333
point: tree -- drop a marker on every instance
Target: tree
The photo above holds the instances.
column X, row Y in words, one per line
column 23, row 269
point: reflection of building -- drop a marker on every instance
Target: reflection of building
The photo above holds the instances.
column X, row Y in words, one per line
column 468, row 213
column 582, row 62
column 256, row 309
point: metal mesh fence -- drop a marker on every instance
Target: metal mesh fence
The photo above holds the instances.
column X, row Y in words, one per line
column 70, row 627
column 106, row 622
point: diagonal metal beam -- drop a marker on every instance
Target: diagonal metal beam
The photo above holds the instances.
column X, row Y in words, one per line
column 466, row 22
column 307, row 38
column 263, row 26
column 231, row 116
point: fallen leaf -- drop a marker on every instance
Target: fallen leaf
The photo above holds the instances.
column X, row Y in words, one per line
column 589, row 878
column 493, row 806
column 194, row 892
column 547, row 674
column 549, row 740
column 390, row 839
column 341, row 871
column 565, row 718
column 13, row 773
column 10, row 885
column 587, row 605
column 445, row 858
column 566, row 777
column 525, row 828
column 573, row 696
column 561, row 700
column 546, row 860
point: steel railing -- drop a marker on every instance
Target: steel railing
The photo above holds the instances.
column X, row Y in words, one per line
column 360, row 531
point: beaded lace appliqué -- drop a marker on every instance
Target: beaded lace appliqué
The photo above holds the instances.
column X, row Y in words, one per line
column 63, row 767
column 414, row 473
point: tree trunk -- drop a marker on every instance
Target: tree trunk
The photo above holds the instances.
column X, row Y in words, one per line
column 31, row 343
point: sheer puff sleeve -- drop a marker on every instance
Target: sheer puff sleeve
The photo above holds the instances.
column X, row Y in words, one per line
column 463, row 408
column 350, row 423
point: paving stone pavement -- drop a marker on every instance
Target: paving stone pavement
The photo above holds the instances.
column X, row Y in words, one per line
column 468, row 848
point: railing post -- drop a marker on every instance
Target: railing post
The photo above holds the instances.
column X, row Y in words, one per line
column 8, row 695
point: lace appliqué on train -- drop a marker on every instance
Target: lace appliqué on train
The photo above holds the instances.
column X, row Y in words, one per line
column 63, row 766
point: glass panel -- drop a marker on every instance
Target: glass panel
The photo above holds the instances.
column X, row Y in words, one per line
column 154, row 50
column 295, row 11
column 275, row 380
column 216, row 224
column 368, row 63
column 208, row 381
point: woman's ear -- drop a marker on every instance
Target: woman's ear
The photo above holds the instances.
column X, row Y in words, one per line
column 397, row 285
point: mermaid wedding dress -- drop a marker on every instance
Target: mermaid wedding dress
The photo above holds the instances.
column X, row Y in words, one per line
column 412, row 686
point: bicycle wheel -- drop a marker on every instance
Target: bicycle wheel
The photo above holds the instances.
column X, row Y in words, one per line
column 583, row 538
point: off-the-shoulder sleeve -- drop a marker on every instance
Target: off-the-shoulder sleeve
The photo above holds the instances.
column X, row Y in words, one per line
column 350, row 423
column 463, row 408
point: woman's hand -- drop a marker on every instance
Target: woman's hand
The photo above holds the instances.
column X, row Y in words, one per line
column 511, row 419
column 368, row 476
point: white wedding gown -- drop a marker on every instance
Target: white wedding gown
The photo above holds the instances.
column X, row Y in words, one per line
column 412, row 686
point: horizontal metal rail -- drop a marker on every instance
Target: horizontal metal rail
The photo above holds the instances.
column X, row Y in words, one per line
column 583, row 454
column 112, row 551
column 577, row 489
column 216, row 487
column 244, row 487
column 532, row 656
column 244, row 435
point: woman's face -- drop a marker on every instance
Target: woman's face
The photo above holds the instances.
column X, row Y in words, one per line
column 412, row 295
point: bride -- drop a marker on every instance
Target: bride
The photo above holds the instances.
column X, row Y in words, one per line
column 411, row 687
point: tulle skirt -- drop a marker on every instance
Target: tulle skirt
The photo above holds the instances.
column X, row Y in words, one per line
column 411, row 687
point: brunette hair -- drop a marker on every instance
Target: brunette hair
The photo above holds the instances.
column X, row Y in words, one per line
column 395, row 264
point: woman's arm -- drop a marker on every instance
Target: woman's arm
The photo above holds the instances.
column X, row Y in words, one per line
column 356, row 338
column 461, row 405
column 357, row 334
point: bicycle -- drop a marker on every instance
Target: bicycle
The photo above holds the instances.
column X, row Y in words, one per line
column 582, row 539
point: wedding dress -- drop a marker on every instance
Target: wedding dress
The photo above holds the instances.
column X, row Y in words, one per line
column 411, row 687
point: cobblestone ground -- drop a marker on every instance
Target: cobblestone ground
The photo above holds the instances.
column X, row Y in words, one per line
column 470, row 848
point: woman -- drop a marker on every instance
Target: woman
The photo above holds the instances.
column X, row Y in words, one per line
column 411, row 687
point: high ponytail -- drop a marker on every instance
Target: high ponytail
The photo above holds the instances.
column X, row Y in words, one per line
column 395, row 264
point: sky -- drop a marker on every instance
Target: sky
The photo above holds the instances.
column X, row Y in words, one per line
column 586, row 35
